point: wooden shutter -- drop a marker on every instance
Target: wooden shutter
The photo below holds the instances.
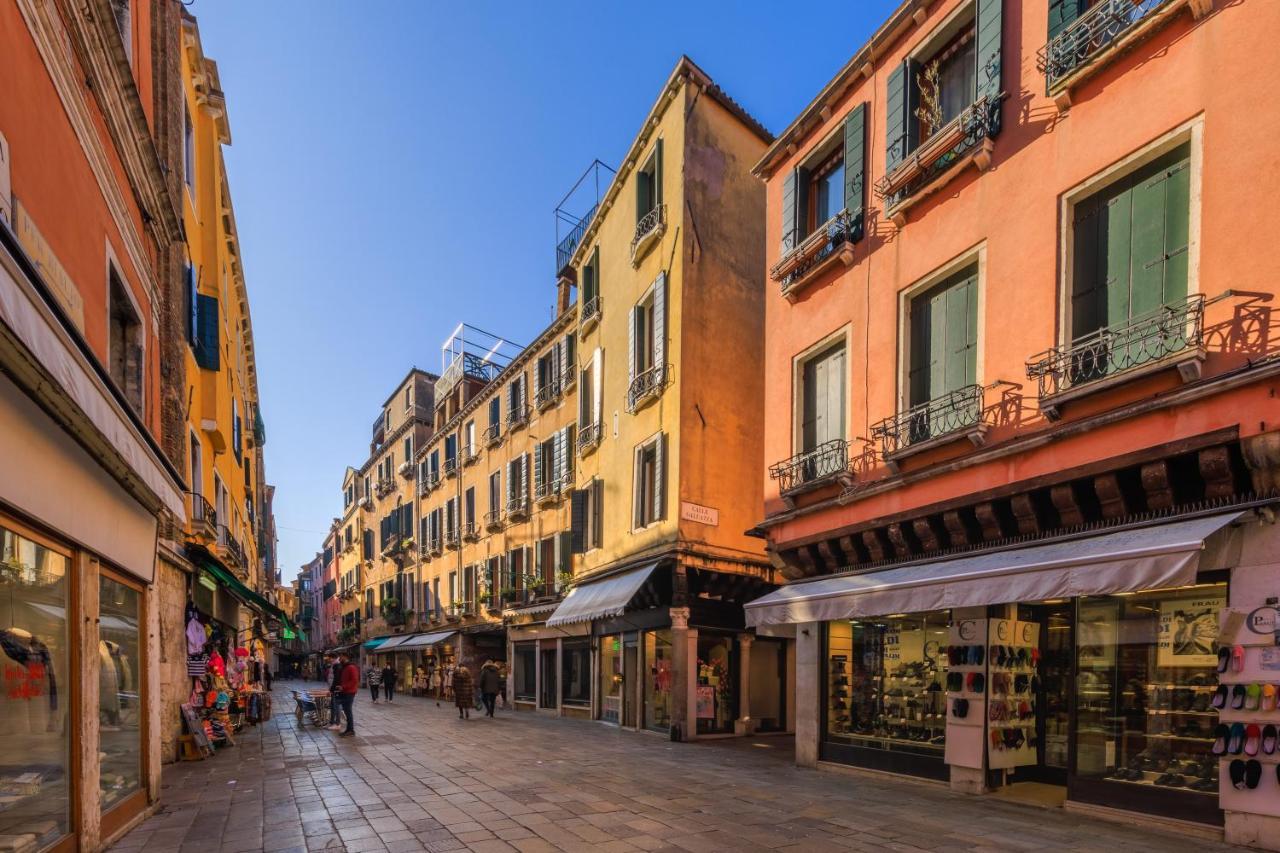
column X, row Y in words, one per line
column 538, row 473
column 855, row 156
column 193, row 316
column 597, row 513
column 657, row 172
column 896, row 119
column 511, row 480
column 631, row 344
column 538, row 368
column 659, row 343
column 564, row 548
column 578, row 521
column 406, row 520
column 566, row 453
column 524, row 476
column 209, row 347
column 1061, row 14
column 1161, row 209
column 789, row 240
column 368, row 544
column 660, row 477
column 990, row 26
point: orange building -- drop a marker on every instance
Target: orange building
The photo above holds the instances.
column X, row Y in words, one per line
column 1021, row 375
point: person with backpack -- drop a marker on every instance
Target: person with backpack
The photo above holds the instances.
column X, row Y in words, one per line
column 373, row 677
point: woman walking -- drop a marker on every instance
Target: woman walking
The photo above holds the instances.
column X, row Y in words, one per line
column 388, row 681
column 463, row 693
column 490, row 685
column 373, row 677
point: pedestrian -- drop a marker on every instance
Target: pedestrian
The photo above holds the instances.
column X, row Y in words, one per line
column 463, row 693
column 389, row 681
column 490, row 686
column 373, row 677
column 335, row 694
column 348, row 686
column 266, row 671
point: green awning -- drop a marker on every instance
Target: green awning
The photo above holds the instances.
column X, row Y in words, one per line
column 375, row 642
column 250, row 598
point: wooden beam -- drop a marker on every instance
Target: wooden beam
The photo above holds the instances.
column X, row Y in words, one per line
column 1110, row 495
column 1024, row 513
column 1064, row 499
column 1215, row 468
column 1156, row 484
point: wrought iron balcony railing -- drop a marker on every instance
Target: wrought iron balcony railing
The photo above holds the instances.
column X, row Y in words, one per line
column 942, row 416
column 812, row 467
column 590, row 311
column 391, row 546
column 518, row 508
column 470, row 531
column 1091, row 35
column 470, row 455
column 647, row 385
column 944, row 148
column 547, row 394
column 493, row 520
column 589, row 437
column 384, row 487
column 450, row 466
column 565, row 248
column 801, row 257
column 547, row 490
column 1116, row 350
column 493, row 434
column 470, row 366
column 203, row 516
column 452, row 539
column 517, row 417
column 429, row 482
column 570, row 375
column 434, row 547
column 648, row 229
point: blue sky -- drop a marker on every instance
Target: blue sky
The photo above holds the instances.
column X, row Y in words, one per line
column 395, row 167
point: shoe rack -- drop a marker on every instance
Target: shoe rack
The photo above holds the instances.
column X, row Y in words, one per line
column 1252, row 658
column 967, row 681
column 1013, row 657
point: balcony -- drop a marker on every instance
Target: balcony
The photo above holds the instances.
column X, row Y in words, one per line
column 467, row 365
column 824, row 464
column 392, row 547
column 380, row 428
column 470, row 532
column 450, row 467
column 384, row 487
column 570, row 375
column 957, row 414
column 406, row 470
column 830, row 244
column 429, row 483
column 470, row 455
column 647, row 386
column 649, row 231
column 434, row 547
column 547, row 395
column 1104, row 31
column 591, row 310
column 567, row 246
column 452, row 539
column 589, row 438
column 965, row 139
column 204, row 520
column 230, row 549
column 1172, row 336
column 493, row 435
column 425, row 553
column 493, row 521
column 366, row 502
column 517, row 417
column 518, row 509
column 546, row 492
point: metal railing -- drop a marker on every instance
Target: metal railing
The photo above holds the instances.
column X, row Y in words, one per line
column 434, row 547
column 518, row 508
column 547, row 394
column 450, row 466
column 1114, row 350
column 800, row 256
column 546, row 490
column 469, row 455
column 469, row 365
column 979, row 120
column 648, row 224
column 429, row 482
column 952, row 412
column 1090, row 35
column 493, row 434
column 589, row 437
column 470, row 531
column 379, row 427
column 493, row 519
column 566, row 247
column 827, row 460
column 202, row 512
column 517, row 417
column 452, row 539
column 590, row 310
column 647, row 384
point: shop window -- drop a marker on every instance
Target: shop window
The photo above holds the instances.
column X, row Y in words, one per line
column 125, row 342
column 34, row 661
column 886, row 683
column 120, row 691
column 659, row 662
column 526, row 674
column 716, row 700
column 611, row 679
column 549, row 697
column 575, row 667
column 1146, row 679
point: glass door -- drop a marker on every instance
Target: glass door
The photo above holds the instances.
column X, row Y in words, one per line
column 121, row 679
column 550, row 691
column 611, row 679
column 630, row 665
column 1051, row 690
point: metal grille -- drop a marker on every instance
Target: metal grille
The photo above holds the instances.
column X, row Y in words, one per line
column 591, row 310
column 816, row 247
column 952, row 412
column 565, row 248
column 493, row 433
column 977, row 122
column 588, row 437
column 648, row 223
column 517, row 417
column 1091, row 34
column 647, row 384
column 202, row 511
column 1114, row 350
column 827, row 460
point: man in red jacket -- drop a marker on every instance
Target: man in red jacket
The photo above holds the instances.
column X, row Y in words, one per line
column 348, row 686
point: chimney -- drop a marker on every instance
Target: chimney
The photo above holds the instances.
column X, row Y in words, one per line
column 565, row 282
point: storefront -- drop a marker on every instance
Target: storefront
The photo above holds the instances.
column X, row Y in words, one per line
column 1101, row 681
column 550, row 669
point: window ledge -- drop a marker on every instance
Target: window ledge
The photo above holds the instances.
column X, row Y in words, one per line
column 1189, row 363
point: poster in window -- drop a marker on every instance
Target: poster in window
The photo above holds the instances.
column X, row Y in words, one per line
column 1189, row 630
column 706, row 702
column 1096, row 633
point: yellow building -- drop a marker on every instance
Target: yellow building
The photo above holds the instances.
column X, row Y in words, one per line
column 226, row 535
column 669, row 274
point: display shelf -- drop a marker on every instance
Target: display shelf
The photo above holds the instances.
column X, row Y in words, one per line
column 1171, row 713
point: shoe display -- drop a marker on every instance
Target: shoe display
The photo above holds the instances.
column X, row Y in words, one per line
column 1268, row 739
column 1235, row 741
column 1252, row 773
column 1236, row 771
column 1252, row 696
column 1237, row 697
column 1220, row 733
column 1224, row 658
column 1237, row 658
column 1252, row 739
column 1268, row 697
column 1220, row 696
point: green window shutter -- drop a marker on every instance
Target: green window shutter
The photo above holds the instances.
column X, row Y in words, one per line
column 208, row 345
column 896, row 118
column 801, row 225
column 1061, row 15
column 944, row 338
column 990, row 27
column 193, row 316
column 1161, row 211
column 962, row 339
column 855, row 156
column 657, row 173
column 789, row 240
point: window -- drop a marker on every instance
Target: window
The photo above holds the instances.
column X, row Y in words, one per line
column 125, row 342
column 368, row 604
column 197, row 468
column 495, row 417
column 208, row 335
column 575, row 667
column 517, row 481
column 453, row 587
column 1129, row 254
column 451, row 519
column 469, row 439
column 822, row 414
column 469, row 506
column 827, row 190
column 526, row 673
column 408, row 399
column 649, row 184
column 188, row 150
column 590, row 284
column 943, row 338
column 548, row 375
column 646, row 345
column 587, row 517
column 408, row 449
column 450, row 452
column 120, row 655
column 650, row 474
column 948, row 82
column 587, row 396
column 495, row 494
column 643, row 335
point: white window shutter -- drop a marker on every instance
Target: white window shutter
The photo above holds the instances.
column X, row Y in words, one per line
column 537, row 378
column 558, row 468
column 631, row 345
column 659, row 476
column 524, row 475
column 511, row 479
column 562, row 351
column 538, row 473
column 660, row 322
column 597, row 383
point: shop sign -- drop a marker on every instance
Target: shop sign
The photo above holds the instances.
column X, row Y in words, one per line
column 701, row 514
column 51, row 269
column 706, row 702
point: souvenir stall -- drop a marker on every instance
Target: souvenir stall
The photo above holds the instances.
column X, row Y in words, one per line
column 227, row 685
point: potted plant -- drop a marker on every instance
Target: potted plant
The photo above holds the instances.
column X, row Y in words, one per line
column 564, row 580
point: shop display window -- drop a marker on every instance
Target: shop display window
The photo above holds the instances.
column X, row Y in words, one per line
column 611, row 679
column 34, row 735
column 120, row 690
column 526, row 687
column 659, row 664
column 886, row 682
column 1146, row 667
column 716, row 699
column 576, row 665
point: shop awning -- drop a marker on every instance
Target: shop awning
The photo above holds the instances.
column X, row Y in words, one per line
column 250, row 598
column 421, row 641
column 1129, row 560
column 375, row 642
column 394, row 642
column 603, row 598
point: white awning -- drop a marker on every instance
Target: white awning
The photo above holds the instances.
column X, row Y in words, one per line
column 603, row 598
column 421, row 641
column 1128, row 560
column 392, row 642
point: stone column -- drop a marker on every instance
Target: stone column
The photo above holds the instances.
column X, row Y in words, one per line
column 808, row 691
column 744, row 725
column 681, row 672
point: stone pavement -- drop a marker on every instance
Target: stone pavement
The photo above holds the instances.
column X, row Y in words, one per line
column 417, row 778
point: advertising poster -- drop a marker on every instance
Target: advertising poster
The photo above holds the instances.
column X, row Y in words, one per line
column 1188, row 630
column 706, row 702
